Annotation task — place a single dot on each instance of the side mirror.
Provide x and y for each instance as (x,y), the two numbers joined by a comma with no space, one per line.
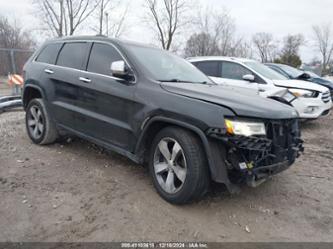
(249,77)
(118,69)
(306,76)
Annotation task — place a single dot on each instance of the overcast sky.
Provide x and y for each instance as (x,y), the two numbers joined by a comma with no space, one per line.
(279,17)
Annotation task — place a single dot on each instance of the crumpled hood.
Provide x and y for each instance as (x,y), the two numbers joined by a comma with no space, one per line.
(300,84)
(247,105)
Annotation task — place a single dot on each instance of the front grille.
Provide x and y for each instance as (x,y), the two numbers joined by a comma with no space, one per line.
(262,155)
(326,97)
(285,139)
(284,135)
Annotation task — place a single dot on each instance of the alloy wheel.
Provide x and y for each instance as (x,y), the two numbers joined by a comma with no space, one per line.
(170,165)
(35,122)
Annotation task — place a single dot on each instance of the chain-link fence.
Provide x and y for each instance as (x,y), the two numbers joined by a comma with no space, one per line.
(11,64)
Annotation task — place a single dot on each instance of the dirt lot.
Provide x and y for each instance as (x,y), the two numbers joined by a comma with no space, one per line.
(75,191)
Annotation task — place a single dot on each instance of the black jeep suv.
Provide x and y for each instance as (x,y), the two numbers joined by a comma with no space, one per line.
(156,108)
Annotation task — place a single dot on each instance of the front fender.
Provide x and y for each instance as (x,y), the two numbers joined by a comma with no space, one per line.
(213,150)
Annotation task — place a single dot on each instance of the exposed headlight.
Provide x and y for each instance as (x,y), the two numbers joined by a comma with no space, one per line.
(303,93)
(244,128)
(289,96)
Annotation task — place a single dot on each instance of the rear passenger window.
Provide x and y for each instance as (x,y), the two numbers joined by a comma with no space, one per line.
(49,53)
(210,68)
(73,55)
(101,57)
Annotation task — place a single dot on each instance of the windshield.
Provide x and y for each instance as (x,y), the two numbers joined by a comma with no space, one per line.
(166,67)
(291,71)
(265,71)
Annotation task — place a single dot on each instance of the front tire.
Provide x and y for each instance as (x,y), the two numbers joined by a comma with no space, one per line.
(178,166)
(40,127)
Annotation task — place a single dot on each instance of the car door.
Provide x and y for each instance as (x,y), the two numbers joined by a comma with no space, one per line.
(44,68)
(64,83)
(106,101)
(232,74)
(211,69)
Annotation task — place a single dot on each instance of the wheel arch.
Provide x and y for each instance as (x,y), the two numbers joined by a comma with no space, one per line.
(155,124)
(212,149)
(31,92)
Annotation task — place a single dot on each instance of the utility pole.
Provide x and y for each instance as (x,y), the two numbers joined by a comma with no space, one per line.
(12,58)
(101,18)
(107,23)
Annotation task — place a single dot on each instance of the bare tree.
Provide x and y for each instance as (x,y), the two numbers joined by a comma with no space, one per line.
(221,37)
(264,45)
(103,5)
(117,26)
(241,48)
(63,17)
(201,45)
(292,44)
(221,27)
(12,36)
(290,52)
(324,43)
(166,17)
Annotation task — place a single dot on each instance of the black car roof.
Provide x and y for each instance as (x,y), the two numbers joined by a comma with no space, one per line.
(97,38)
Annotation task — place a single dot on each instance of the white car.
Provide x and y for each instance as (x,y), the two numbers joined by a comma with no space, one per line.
(313,100)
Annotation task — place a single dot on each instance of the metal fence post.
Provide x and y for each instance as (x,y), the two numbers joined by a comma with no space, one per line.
(16,90)
(12,61)
(12,58)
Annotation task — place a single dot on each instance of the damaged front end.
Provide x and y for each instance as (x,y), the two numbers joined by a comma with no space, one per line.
(252,159)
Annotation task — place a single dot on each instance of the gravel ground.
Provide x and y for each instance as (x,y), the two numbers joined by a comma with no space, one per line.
(75,191)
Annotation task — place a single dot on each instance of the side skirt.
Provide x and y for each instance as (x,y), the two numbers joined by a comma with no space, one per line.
(103,144)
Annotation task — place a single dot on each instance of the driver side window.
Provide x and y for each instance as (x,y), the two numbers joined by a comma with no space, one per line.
(233,71)
(101,57)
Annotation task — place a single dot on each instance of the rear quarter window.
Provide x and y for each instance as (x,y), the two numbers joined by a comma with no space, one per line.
(49,53)
(73,55)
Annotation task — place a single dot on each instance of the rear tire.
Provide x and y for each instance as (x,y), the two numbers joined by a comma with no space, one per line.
(40,127)
(178,166)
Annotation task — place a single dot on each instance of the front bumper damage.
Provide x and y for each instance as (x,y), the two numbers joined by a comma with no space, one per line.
(253,159)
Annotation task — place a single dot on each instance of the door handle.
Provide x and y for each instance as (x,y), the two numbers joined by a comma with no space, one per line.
(85,80)
(49,71)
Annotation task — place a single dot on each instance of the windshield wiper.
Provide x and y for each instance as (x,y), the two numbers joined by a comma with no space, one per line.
(185,81)
(177,80)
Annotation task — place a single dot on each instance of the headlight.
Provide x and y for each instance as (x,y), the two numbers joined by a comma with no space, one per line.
(303,93)
(245,128)
(289,96)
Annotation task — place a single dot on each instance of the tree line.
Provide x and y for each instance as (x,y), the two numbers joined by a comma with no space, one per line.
(175,24)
